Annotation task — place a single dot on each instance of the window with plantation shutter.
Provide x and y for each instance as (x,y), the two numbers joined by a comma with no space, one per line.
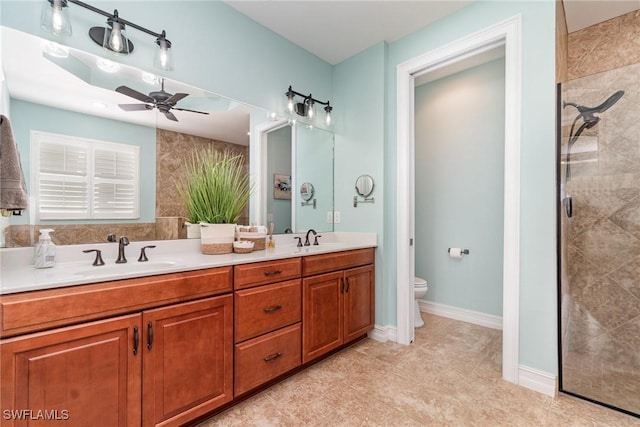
(78,178)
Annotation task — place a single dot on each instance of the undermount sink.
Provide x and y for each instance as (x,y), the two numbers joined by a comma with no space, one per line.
(129,267)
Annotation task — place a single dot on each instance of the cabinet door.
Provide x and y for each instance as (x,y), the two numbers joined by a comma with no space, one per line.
(188,360)
(87,375)
(322,319)
(358,302)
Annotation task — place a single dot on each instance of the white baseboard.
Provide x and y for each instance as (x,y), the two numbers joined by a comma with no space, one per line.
(384,333)
(470,316)
(535,380)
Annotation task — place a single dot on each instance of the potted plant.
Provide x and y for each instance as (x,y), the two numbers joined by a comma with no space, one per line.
(215,190)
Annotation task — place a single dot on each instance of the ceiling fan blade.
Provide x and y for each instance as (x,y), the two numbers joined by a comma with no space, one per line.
(176,97)
(191,111)
(135,107)
(135,94)
(169,115)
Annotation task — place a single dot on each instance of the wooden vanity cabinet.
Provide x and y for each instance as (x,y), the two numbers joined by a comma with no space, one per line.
(267,319)
(338,305)
(82,375)
(187,360)
(158,366)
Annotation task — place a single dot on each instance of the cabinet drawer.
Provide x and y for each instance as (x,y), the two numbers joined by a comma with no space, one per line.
(45,309)
(316,264)
(266,357)
(262,273)
(267,308)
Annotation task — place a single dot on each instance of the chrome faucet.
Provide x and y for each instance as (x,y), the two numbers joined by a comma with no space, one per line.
(306,239)
(121,244)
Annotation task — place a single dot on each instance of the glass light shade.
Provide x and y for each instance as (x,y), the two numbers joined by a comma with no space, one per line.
(327,118)
(290,104)
(54,17)
(310,110)
(164,56)
(115,38)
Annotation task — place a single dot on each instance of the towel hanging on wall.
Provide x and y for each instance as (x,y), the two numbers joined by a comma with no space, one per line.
(13,188)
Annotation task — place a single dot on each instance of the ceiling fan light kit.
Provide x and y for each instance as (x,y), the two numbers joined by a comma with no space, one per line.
(55,19)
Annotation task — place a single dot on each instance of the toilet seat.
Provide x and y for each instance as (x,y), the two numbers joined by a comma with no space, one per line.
(419,282)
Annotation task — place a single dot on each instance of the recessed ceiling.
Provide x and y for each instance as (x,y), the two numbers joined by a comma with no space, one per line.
(337,30)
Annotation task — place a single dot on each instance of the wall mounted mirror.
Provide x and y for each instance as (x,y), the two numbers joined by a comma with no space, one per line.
(65,91)
(306,191)
(364,186)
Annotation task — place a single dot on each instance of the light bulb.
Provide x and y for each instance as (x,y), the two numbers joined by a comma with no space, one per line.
(163,58)
(290,105)
(310,110)
(328,119)
(115,39)
(58,20)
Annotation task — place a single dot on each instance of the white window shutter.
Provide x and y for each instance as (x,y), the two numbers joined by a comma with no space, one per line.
(77,178)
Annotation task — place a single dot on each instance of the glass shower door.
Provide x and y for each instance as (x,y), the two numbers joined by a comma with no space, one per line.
(599,237)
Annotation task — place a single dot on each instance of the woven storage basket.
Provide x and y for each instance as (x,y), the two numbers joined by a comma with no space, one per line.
(243,247)
(259,243)
(258,237)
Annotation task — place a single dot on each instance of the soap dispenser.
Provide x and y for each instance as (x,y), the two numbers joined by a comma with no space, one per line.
(45,251)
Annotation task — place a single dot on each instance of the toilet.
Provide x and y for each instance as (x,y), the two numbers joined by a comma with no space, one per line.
(420,288)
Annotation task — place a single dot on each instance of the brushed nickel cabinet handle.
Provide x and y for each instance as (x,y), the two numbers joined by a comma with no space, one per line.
(274,356)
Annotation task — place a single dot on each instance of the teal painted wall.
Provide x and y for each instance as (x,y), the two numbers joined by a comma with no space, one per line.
(538,348)
(278,161)
(359,85)
(459,191)
(26,116)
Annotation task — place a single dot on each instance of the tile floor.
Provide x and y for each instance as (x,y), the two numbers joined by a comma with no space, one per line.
(449,376)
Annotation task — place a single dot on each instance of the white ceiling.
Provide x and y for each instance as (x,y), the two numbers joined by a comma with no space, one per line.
(336,30)
(583,13)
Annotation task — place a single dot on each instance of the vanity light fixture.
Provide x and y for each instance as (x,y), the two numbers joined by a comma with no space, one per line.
(306,107)
(55,19)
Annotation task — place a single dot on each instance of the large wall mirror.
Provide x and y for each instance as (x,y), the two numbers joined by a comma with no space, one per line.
(50,90)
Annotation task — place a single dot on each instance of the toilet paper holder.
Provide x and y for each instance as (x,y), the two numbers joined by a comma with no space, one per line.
(463,251)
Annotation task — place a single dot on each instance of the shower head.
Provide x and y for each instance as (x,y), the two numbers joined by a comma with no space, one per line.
(587,112)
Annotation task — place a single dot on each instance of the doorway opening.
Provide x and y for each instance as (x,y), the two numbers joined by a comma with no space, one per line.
(507,35)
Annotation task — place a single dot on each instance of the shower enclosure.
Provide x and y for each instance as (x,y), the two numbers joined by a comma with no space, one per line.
(599,237)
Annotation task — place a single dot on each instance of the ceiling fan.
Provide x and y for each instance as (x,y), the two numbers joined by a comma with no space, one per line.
(163,101)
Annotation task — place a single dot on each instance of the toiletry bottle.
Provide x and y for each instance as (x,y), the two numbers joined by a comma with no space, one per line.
(45,251)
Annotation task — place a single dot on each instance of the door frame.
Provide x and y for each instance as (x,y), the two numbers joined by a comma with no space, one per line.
(508,34)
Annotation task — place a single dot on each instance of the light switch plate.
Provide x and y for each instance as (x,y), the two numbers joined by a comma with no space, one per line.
(336,217)
(329,217)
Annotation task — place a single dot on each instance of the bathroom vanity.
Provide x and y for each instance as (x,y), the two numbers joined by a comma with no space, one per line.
(168,348)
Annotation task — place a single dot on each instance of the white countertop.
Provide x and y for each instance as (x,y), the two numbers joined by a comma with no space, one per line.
(73,267)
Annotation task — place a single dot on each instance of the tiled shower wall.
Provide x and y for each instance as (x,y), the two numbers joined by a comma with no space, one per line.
(601,241)
(172,150)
